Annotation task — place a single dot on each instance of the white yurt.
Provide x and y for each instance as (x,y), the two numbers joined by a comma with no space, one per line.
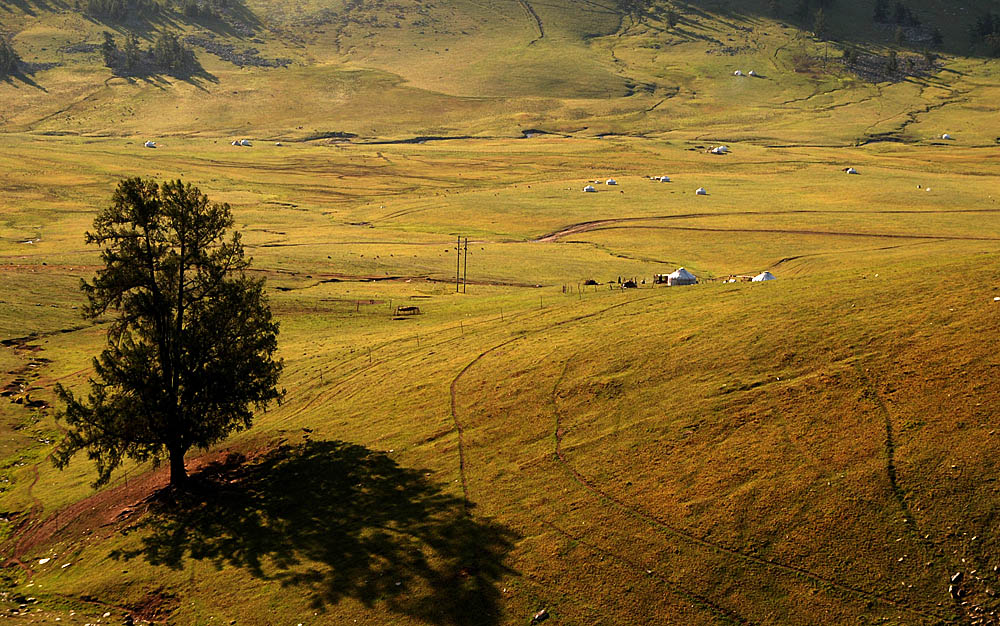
(150,144)
(245,142)
(236,142)
(720,150)
(751,73)
(681,277)
(589,188)
(946,136)
(759,278)
(738,73)
(851,170)
(700,191)
(664,179)
(612,181)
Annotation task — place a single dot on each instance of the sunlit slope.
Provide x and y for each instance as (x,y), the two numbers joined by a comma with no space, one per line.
(380,70)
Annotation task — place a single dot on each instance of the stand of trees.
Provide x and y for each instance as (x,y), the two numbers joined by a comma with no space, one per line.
(9,60)
(123,10)
(986,31)
(166,55)
(898,13)
(203,8)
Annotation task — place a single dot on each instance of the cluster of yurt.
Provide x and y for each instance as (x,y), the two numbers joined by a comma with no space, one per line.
(590,184)
(242,142)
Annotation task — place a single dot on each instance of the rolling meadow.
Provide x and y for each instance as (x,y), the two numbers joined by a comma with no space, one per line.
(819,449)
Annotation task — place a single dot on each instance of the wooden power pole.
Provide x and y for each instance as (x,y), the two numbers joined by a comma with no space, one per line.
(458,263)
(465,265)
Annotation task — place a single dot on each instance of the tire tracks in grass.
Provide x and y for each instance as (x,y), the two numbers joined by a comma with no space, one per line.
(725,615)
(453,387)
(817,580)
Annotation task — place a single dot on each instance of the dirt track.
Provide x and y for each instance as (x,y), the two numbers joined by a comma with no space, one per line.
(622,222)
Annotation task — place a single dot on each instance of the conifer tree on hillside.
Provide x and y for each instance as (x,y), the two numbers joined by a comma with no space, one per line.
(819,24)
(9,59)
(132,52)
(109,49)
(190,350)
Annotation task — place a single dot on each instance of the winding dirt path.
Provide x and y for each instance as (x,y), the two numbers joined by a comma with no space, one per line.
(624,222)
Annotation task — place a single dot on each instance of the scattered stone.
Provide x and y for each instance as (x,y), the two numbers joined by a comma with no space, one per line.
(240,58)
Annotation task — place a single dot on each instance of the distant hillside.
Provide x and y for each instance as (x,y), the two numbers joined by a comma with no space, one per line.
(378,69)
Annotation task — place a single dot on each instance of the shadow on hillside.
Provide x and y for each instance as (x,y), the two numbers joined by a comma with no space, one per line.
(336,520)
(843,25)
(235,19)
(32,7)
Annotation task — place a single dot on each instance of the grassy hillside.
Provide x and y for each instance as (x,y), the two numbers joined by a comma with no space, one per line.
(814,450)
(379,70)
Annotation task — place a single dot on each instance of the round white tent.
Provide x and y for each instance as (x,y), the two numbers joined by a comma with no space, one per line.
(759,278)
(612,181)
(701,191)
(589,188)
(681,277)
(664,179)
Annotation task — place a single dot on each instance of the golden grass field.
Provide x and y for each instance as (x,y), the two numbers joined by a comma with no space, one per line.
(815,450)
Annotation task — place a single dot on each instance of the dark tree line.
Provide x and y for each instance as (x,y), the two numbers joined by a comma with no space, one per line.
(166,55)
(202,8)
(123,10)
(986,31)
(9,60)
(898,13)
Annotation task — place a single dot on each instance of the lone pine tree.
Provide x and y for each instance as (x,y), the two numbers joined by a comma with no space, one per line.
(191,344)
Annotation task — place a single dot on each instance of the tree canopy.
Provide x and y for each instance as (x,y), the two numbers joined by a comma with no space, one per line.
(9,58)
(191,345)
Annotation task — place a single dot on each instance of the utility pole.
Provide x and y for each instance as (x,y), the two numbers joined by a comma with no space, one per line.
(465,266)
(458,262)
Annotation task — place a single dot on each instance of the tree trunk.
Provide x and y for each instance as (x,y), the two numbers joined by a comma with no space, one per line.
(178,473)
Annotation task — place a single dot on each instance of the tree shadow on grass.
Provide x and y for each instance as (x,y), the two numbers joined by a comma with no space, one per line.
(336,520)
